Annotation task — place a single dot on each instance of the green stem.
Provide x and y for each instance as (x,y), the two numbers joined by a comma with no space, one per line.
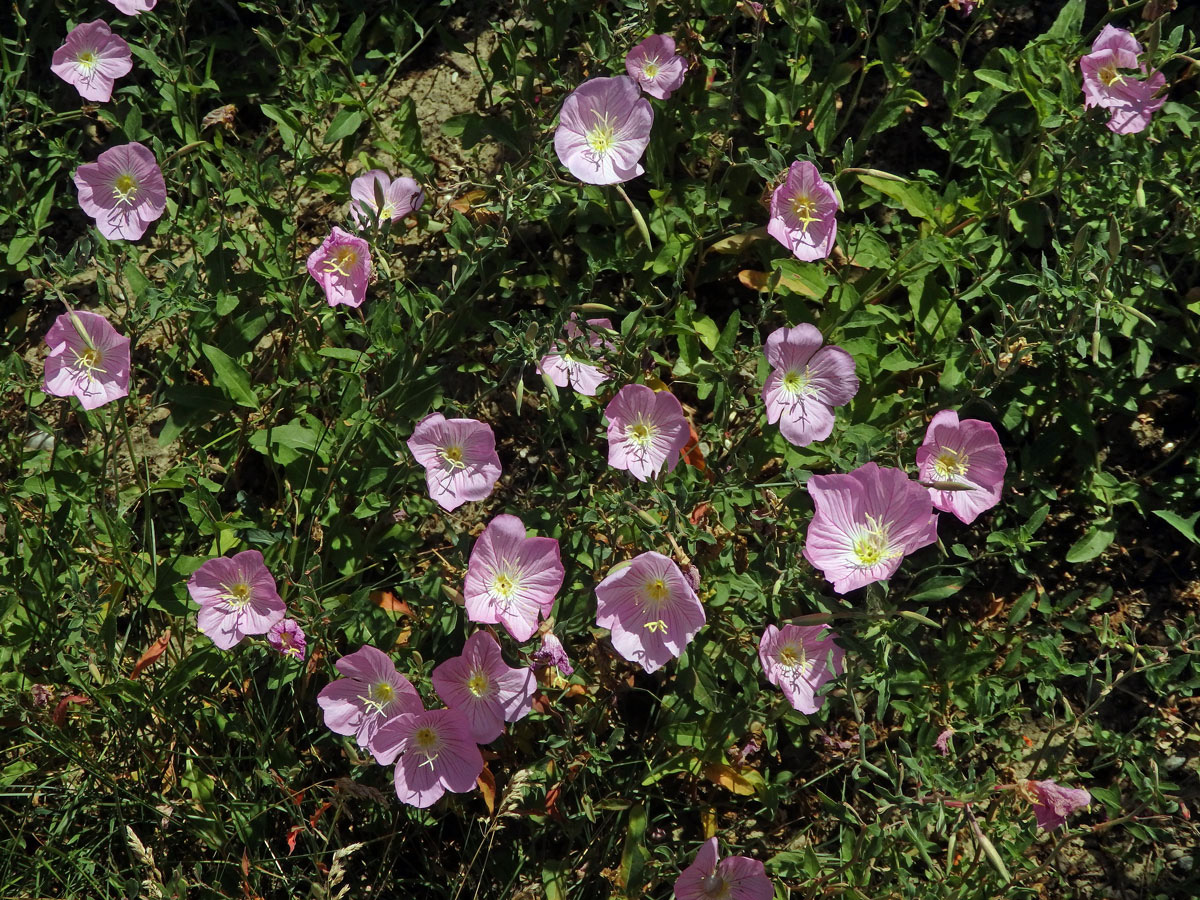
(637,217)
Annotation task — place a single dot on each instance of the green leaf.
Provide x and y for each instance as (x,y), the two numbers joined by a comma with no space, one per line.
(1186,527)
(230,377)
(707,329)
(633,856)
(1068,22)
(343,125)
(1092,544)
(917,199)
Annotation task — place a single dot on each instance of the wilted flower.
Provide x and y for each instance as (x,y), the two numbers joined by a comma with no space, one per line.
(133,7)
(437,754)
(459,456)
(962,464)
(943,742)
(806,382)
(650,608)
(287,637)
(1130,101)
(88,359)
(562,367)
(342,266)
(401,196)
(1052,803)
(804,213)
(237,597)
(799,659)
(484,688)
(966,7)
(552,653)
(90,59)
(866,523)
(123,190)
(603,130)
(371,694)
(512,579)
(655,67)
(731,878)
(645,430)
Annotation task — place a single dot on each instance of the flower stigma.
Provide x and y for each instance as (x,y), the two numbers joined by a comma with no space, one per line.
(872,545)
(478,684)
(796,382)
(641,432)
(804,208)
(87,60)
(602,137)
(125,188)
(950,463)
(238,594)
(341,260)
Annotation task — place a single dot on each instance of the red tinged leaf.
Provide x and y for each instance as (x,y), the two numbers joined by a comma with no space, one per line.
(487,787)
(291,838)
(699,512)
(389,602)
(691,453)
(60,711)
(153,652)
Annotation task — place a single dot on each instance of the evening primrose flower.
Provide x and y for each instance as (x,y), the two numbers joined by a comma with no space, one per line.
(89,359)
(962,464)
(436,754)
(287,637)
(459,456)
(731,878)
(371,694)
(133,7)
(807,380)
(123,190)
(401,196)
(552,653)
(603,130)
(1052,802)
(804,213)
(866,522)
(237,597)
(562,365)
(799,659)
(90,59)
(645,430)
(655,67)
(484,688)
(342,266)
(651,610)
(512,579)
(1131,101)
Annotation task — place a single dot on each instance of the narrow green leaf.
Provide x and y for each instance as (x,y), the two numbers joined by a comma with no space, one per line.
(230,377)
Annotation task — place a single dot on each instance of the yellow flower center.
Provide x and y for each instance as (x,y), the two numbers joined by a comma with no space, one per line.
(453,456)
(796,382)
(341,261)
(504,584)
(87,60)
(386,212)
(238,594)
(125,188)
(427,744)
(792,655)
(950,464)
(382,693)
(656,591)
(1109,75)
(716,887)
(641,432)
(650,69)
(872,545)
(804,208)
(90,361)
(478,684)
(601,137)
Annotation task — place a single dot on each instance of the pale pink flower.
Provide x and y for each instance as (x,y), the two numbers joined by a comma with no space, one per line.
(437,754)
(806,382)
(484,688)
(1131,101)
(645,430)
(563,365)
(943,742)
(804,213)
(552,653)
(401,196)
(90,59)
(731,878)
(123,190)
(88,359)
(287,637)
(651,610)
(799,659)
(603,130)
(133,7)
(237,597)
(371,694)
(962,464)
(655,67)
(1052,803)
(459,456)
(512,579)
(866,523)
(1139,103)
(342,267)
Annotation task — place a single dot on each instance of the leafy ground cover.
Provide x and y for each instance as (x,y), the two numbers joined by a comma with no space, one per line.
(1000,252)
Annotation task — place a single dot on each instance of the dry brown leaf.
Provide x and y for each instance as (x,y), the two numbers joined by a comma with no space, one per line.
(153,652)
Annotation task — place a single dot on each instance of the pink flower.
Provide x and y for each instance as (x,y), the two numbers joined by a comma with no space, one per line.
(371,694)
(563,367)
(645,430)
(552,653)
(237,597)
(88,359)
(1052,803)
(1130,101)
(650,608)
(966,7)
(731,878)
(804,213)
(133,7)
(486,690)
(437,754)
(401,196)
(459,456)
(123,190)
(512,579)
(865,524)
(342,267)
(603,130)
(287,637)
(90,59)
(806,382)
(962,464)
(797,659)
(655,67)
(943,742)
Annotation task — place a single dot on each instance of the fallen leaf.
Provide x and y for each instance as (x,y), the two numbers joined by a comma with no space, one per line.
(389,602)
(744,783)
(60,711)
(153,652)
(487,787)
